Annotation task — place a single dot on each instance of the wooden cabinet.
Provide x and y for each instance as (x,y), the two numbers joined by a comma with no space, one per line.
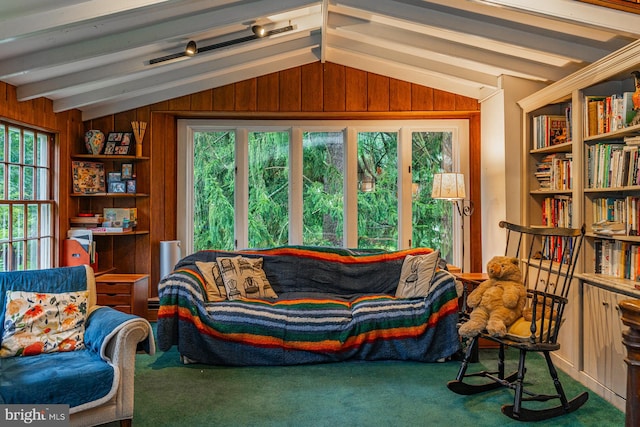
(125,292)
(604,354)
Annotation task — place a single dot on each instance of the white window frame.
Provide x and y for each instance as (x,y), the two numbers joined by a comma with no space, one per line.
(404,128)
(45,230)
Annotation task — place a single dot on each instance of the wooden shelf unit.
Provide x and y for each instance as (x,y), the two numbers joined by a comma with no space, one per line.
(590,340)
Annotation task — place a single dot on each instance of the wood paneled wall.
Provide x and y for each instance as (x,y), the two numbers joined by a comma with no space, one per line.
(313,91)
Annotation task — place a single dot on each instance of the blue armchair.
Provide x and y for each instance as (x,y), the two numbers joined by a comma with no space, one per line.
(97,382)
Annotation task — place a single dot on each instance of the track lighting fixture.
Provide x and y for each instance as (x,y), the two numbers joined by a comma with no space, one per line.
(259,30)
(191,49)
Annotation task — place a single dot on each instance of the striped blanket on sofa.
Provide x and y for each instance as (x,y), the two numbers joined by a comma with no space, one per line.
(332,305)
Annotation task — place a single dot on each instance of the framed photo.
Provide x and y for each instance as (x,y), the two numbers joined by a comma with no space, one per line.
(131,186)
(114,177)
(119,143)
(117,187)
(88,177)
(127,170)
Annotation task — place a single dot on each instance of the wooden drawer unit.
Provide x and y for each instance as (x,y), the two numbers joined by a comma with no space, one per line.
(125,292)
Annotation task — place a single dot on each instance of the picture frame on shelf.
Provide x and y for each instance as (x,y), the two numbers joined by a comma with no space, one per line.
(88,177)
(114,177)
(127,171)
(118,187)
(131,186)
(119,143)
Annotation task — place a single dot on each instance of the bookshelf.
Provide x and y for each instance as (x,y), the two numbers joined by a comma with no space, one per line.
(118,252)
(604,194)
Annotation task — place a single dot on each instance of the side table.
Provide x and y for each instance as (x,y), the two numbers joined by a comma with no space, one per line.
(125,292)
(470,281)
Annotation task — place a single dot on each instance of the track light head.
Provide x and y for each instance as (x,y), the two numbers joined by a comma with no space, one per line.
(259,30)
(191,48)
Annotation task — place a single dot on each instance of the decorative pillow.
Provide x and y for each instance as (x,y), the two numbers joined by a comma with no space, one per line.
(37,323)
(520,330)
(416,275)
(244,278)
(214,283)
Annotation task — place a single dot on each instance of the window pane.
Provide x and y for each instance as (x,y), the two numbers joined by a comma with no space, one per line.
(2,143)
(432,219)
(213,190)
(41,184)
(4,222)
(2,183)
(46,221)
(27,183)
(18,256)
(43,150)
(5,255)
(17,221)
(268,189)
(378,190)
(32,221)
(323,166)
(14,182)
(14,145)
(46,253)
(32,254)
(29,141)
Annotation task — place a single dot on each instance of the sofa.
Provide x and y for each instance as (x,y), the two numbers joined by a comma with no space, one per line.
(59,348)
(300,305)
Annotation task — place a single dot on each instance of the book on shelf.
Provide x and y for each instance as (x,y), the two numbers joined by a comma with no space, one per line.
(553,172)
(556,211)
(604,114)
(86,221)
(632,140)
(617,258)
(99,230)
(549,130)
(605,165)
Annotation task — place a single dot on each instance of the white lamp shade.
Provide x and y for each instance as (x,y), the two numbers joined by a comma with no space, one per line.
(448,186)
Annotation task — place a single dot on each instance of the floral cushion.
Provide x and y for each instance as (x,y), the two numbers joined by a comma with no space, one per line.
(37,323)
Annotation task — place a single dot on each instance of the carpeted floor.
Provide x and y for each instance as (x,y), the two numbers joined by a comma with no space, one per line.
(168,393)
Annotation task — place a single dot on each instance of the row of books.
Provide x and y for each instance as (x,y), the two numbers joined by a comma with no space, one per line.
(556,211)
(613,165)
(605,114)
(112,220)
(617,258)
(553,172)
(551,130)
(616,215)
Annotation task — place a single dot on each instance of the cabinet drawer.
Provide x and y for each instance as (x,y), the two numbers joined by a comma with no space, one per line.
(104,299)
(113,288)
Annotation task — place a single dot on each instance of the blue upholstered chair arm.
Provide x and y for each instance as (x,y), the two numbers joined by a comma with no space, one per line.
(104,323)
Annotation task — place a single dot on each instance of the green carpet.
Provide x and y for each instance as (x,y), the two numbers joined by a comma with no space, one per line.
(168,393)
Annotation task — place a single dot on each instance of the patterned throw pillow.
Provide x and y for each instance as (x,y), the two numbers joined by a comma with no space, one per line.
(244,278)
(37,323)
(416,275)
(214,283)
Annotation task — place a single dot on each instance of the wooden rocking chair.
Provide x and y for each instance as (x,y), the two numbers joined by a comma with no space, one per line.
(548,256)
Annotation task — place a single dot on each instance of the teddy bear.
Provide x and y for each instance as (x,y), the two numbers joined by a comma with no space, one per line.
(498,301)
(527,312)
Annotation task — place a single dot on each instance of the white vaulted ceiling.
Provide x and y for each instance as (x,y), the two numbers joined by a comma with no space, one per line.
(94,55)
